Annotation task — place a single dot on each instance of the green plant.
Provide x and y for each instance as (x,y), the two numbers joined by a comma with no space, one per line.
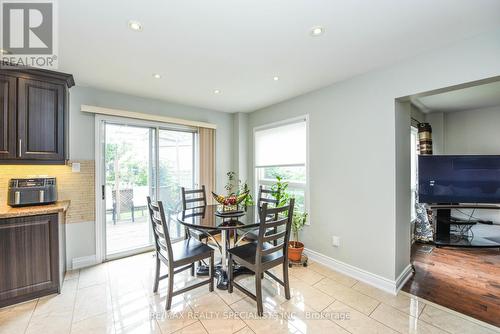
(282,195)
(236,187)
(280,191)
(298,222)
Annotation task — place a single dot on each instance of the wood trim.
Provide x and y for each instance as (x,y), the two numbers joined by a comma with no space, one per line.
(19,70)
(144,116)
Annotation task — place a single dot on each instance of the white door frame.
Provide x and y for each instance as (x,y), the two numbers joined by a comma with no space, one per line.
(100,214)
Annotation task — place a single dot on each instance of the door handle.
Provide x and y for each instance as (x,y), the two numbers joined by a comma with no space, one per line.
(103,192)
(20,148)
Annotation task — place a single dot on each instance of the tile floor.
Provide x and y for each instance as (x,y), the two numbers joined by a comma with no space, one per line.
(116,297)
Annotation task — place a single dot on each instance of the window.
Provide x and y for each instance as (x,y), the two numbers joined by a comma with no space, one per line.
(414,169)
(282,150)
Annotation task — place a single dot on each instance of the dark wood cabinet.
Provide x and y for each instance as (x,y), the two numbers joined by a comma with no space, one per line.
(8,117)
(40,115)
(34,115)
(29,264)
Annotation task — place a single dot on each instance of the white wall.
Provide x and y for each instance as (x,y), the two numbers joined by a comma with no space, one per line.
(80,237)
(353,156)
(472,131)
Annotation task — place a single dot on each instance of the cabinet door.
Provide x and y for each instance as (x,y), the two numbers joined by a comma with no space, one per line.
(8,136)
(30,260)
(41,120)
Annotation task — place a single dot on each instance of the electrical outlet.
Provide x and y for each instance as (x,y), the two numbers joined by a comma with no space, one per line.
(335,241)
(75,167)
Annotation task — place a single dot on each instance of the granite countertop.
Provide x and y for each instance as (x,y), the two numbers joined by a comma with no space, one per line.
(9,212)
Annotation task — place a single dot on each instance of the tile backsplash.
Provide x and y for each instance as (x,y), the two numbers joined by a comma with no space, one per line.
(78,187)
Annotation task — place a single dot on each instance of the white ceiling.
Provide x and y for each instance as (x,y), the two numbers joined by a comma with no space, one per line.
(238,46)
(470,98)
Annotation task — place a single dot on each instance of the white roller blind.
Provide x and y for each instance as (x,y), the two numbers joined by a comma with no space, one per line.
(282,145)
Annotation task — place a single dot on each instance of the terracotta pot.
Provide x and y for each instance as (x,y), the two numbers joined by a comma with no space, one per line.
(295,249)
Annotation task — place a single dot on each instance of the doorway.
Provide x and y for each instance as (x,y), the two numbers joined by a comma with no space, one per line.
(137,159)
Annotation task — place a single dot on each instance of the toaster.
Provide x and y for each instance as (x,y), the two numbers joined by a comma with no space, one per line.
(33,191)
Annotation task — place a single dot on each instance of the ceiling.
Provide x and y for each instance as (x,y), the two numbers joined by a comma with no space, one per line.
(237,47)
(470,98)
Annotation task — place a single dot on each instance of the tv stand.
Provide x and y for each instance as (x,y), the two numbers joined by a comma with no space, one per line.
(444,220)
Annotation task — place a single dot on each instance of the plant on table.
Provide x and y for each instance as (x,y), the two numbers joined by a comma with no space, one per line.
(237,191)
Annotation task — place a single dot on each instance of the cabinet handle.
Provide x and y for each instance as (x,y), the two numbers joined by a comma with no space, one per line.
(20,148)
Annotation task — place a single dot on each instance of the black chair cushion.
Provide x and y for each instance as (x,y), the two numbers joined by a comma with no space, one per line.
(186,250)
(247,253)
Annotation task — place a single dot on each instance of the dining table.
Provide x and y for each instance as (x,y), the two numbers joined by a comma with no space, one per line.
(223,230)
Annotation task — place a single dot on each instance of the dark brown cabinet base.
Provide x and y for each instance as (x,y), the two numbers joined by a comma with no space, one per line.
(29,261)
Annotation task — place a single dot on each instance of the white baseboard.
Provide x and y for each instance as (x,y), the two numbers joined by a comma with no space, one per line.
(404,277)
(364,276)
(84,261)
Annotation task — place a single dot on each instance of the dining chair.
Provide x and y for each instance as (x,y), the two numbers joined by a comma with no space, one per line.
(265,196)
(177,257)
(196,199)
(264,254)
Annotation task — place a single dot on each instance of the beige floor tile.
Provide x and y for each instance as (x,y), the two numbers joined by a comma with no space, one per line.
(303,293)
(334,275)
(117,297)
(92,301)
(354,321)
(56,303)
(403,322)
(402,302)
(246,330)
(230,298)
(305,274)
(179,316)
(215,315)
(15,319)
(52,322)
(274,320)
(195,328)
(451,322)
(351,297)
(72,274)
(146,327)
(94,275)
(100,324)
(307,320)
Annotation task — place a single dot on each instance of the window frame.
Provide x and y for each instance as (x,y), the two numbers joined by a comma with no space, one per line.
(306,185)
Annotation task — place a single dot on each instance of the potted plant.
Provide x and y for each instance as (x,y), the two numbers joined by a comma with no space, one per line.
(295,247)
(282,195)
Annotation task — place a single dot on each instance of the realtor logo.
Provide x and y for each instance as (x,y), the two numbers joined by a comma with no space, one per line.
(28,33)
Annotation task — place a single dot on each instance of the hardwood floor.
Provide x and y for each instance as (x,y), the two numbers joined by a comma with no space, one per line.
(465,280)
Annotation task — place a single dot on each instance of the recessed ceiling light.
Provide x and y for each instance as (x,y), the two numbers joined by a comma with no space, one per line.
(157,76)
(317,31)
(216,91)
(276,78)
(135,25)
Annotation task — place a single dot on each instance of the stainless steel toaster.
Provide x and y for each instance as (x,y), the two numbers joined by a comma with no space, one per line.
(33,191)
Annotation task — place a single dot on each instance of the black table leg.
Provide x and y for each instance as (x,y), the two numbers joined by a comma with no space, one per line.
(221,274)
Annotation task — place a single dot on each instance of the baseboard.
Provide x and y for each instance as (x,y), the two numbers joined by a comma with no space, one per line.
(84,261)
(404,277)
(364,276)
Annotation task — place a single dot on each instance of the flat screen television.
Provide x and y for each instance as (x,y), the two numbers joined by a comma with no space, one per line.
(459,179)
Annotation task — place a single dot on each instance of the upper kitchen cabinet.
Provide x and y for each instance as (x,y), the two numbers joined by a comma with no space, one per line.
(34,116)
(8,135)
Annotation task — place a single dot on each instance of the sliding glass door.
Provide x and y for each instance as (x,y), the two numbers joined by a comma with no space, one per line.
(176,169)
(141,160)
